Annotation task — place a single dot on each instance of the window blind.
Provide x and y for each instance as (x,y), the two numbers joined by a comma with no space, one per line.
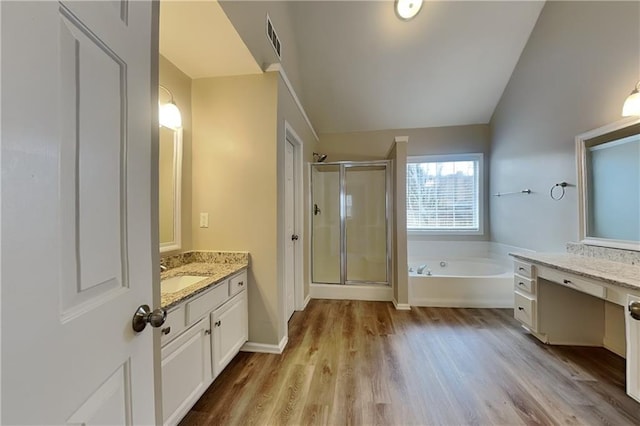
(443,195)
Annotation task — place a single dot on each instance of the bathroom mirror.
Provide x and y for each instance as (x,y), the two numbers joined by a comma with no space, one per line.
(609,185)
(169,186)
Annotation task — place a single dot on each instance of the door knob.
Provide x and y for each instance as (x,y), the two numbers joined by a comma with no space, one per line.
(634,310)
(145,315)
(294,237)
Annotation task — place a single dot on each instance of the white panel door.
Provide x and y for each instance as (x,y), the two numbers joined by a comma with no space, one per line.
(289,225)
(76,212)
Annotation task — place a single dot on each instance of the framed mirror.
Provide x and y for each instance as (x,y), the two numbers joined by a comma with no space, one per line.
(609,185)
(169,188)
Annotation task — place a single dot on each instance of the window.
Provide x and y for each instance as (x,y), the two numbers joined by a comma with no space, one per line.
(443,194)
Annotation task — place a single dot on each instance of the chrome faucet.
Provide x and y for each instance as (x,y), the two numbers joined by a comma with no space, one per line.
(421,269)
(162,268)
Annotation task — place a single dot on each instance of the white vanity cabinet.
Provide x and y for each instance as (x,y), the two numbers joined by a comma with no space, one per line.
(567,299)
(186,371)
(200,337)
(525,307)
(230,329)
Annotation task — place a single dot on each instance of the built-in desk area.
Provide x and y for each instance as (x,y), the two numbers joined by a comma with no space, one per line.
(568,299)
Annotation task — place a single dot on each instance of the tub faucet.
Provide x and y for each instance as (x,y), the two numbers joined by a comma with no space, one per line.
(421,269)
(163,268)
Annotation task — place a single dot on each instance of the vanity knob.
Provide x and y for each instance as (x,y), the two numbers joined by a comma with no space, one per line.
(166,330)
(520,308)
(207,332)
(217,324)
(634,310)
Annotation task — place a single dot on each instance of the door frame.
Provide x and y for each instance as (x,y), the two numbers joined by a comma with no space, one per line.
(298,216)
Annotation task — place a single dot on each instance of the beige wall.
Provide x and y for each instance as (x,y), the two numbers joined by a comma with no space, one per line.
(376,145)
(249,20)
(579,65)
(288,111)
(235,182)
(180,85)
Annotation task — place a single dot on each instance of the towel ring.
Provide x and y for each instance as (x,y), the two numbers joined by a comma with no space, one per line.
(562,186)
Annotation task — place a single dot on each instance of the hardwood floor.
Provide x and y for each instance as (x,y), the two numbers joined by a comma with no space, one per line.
(350,362)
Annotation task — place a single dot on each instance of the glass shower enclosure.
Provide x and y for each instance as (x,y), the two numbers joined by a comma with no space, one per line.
(350,222)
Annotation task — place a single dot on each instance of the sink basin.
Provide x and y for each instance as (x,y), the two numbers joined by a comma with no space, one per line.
(175,284)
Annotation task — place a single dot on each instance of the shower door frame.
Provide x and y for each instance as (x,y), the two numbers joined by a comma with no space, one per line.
(343,166)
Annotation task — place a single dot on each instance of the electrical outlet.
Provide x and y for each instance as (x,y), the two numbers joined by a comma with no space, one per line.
(204,220)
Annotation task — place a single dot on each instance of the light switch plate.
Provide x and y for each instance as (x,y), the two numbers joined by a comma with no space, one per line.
(204,220)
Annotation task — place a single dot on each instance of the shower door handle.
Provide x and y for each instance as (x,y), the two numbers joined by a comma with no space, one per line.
(294,237)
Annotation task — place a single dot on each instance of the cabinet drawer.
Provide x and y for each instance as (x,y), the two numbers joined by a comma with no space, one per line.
(524,269)
(173,325)
(206,303)
(524,284)
(575,282)
(238,283)
(524,310)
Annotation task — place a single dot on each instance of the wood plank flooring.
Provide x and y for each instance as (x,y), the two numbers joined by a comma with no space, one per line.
(364,363)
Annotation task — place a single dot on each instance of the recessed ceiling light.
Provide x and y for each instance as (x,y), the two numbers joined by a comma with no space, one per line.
(407,9)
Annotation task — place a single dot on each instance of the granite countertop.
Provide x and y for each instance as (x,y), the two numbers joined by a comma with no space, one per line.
(610,272)
(211,273)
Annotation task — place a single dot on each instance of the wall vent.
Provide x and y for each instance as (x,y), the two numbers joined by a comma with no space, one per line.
(273,38)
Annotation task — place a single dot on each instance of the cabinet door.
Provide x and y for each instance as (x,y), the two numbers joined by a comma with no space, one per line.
(632,327)
(230,330)
(186,371)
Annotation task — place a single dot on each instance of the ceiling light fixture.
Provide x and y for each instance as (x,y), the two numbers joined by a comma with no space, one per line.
(407,9)
(632,103)
(169,115)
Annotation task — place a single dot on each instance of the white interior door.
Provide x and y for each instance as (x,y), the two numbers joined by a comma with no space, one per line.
(289,224)
(76,228)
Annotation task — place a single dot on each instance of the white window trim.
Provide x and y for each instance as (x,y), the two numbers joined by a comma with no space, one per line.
(479,157)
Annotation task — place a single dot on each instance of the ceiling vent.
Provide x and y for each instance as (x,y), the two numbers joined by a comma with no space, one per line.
(273,38)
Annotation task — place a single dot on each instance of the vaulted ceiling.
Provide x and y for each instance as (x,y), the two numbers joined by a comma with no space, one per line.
(357,67)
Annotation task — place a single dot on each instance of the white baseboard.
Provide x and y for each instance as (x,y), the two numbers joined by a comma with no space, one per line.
(351,292)
(265,348)
(401,306)
(462,303)
(306,302)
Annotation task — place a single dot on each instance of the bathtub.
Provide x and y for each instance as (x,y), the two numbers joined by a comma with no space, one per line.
(474,282)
